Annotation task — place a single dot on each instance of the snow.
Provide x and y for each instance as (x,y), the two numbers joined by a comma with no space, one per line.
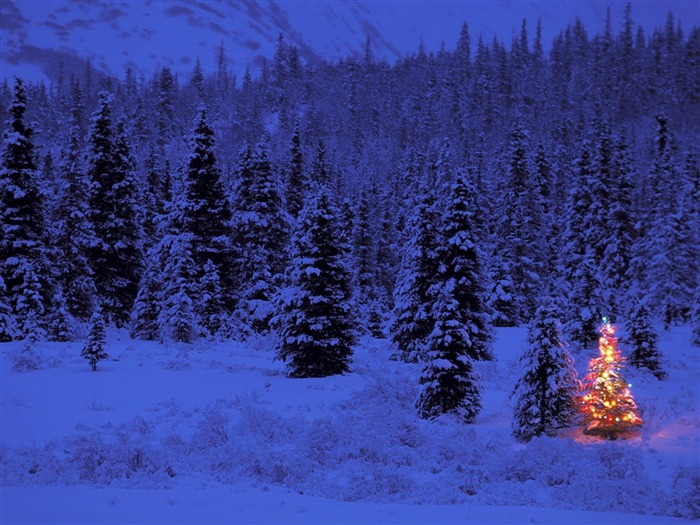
(214,432)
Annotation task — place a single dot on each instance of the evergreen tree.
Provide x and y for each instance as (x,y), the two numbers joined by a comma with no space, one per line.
(94,349)
(61,323)
(608,406)
(413,321)
(24,266)
(581,270)
(116,256)
(461,271)
(644,342)
(177,320)
(210,306)
(29,302)
(320,170)
(521,229)
(364,261)
(619,222)
(667,254)
(155,194)
(207,214)
(8,324)
(260,238)
(146,310)
(296,176)
(546,395)
(449,384)
(75,236)
(314,321)
(165,118)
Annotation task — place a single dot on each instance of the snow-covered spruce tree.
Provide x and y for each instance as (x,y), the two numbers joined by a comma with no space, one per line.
(177,320)
(418,269)
(29,302)
(24,266)
(314,323)
(580,262)
(460,259)
(165,112)
(546,395)
(619,226)
(155,194)
(260,237)
(449,384)
(94,349)
(75,235)
(207,213)
(320,170)
(144,315)
(520,230)
(297,183)
(369,300)
(116,256)
(644,341)
(363,246)
(209,305)
(61,324)
(8,324)
(667,253)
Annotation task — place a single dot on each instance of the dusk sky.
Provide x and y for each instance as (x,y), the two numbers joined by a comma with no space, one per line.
(36,36)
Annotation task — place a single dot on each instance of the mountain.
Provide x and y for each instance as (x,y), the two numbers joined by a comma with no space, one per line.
(41,38)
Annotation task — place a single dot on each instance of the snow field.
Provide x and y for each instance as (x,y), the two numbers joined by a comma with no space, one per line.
(217,433)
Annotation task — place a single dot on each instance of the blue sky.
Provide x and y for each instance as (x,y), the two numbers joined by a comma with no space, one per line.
(37,35)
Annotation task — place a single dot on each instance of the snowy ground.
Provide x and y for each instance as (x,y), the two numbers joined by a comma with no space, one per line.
(217,433)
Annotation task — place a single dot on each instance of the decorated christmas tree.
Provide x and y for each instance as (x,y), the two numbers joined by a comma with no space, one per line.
(608,407)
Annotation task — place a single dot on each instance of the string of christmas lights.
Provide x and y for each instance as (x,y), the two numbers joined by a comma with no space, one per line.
(607,404)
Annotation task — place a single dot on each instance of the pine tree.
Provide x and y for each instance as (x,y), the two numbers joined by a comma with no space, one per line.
(24,266)
(75,235)
(607,405)
(581,270)
(94,349)
(207,214)
(546,395)
(165,118)
(116,256)
(155,194)
(461,259)
(8,323)
(210,306)
(449,384)
(644,342)
(297,183)
(364,261)
(419,266)
(29,302)
(61,324)
(320,170)
(619,225)
(521,228)
(177,320)
(314,324)
(667,254)
(146,310)
(260,237)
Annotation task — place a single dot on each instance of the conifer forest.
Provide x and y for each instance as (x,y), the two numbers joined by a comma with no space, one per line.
(440,237)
